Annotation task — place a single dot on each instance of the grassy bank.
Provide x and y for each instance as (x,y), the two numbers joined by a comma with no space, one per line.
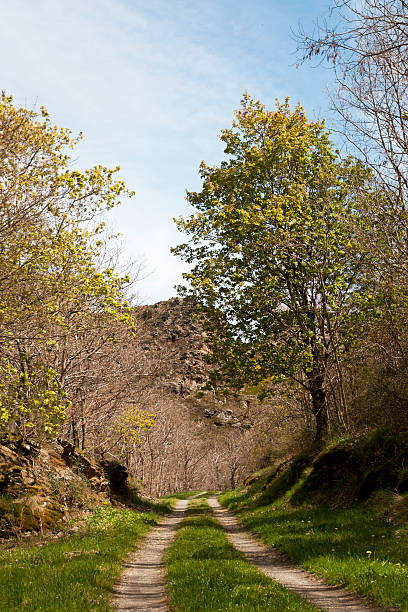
(206,574)
(74,572)
(364,547)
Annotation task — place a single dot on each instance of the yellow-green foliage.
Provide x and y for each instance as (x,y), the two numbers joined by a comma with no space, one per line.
(42,399)
(131,426)
(276,265)
(52,288)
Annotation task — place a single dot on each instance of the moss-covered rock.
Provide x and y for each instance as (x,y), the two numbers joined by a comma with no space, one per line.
(39,487)
(83,464)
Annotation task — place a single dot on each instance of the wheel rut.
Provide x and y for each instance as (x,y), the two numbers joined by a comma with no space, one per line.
(142,584)
(271,563)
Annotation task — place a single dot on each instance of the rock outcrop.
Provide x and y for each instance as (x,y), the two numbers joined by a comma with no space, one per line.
(41,486)
(174,330)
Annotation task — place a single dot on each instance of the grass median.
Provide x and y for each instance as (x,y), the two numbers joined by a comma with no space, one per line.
(205,573)
(363,548)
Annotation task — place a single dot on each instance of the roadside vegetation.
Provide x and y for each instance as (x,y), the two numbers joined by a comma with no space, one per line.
(76,572)
(206,573)
(363,547)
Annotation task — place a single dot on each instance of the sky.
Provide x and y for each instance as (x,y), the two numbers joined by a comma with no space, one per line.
(151,83)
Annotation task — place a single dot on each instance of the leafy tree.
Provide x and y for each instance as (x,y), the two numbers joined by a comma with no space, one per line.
(274,262)
(366,45)
(52,286)
(131,426)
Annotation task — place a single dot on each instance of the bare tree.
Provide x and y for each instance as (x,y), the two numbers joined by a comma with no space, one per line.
(366,43)
(368,49)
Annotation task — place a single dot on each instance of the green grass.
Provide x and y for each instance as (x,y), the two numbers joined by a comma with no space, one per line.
(198,506)
(180,495)
(362,547)
(75,572)
(205,573)
(163,506)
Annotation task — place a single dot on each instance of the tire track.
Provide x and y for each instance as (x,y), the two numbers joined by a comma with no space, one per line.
(142,585)
(270,562)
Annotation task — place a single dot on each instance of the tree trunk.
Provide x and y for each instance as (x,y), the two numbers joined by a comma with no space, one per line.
(83,433)
(319,407)
(75,439)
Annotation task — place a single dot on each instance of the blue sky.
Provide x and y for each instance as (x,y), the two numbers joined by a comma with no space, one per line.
(151,84)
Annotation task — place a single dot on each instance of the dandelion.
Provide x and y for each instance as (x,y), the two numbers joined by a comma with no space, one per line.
(398,564)
(369,552)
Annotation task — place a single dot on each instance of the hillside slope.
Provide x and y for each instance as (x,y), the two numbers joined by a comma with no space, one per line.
(342,514)
(344,473)
(41,487)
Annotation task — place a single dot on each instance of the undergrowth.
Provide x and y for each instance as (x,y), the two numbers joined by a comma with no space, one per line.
(363,548)
(180,495)
(162,506)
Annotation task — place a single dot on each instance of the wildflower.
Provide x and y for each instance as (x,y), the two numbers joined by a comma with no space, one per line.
(369,552)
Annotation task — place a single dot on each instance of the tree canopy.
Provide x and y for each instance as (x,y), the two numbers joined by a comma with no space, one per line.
(54,288)
(274,260)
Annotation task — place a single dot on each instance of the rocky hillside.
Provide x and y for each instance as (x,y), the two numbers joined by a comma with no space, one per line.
(172,328)
(42,487)
(180,335)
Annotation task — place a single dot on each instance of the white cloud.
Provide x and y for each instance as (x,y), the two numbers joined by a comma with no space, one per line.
(150,84)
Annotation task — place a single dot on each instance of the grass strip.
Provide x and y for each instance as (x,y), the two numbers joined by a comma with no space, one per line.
(75,572)
(205,573)
(359,547)
(180,495)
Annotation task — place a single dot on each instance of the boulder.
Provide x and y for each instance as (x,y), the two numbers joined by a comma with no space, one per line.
(117,475)
(81,463)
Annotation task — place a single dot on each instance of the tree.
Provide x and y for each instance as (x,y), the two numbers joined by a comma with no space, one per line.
(368,51)
(366,45)
(52,286)
(275,265)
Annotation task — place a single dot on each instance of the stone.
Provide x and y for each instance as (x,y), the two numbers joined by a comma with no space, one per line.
(117,475)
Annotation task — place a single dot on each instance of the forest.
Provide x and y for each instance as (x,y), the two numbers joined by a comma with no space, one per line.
(287,342)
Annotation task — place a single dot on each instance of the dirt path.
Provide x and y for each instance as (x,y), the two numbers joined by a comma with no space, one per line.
(270,562)
(142,584)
